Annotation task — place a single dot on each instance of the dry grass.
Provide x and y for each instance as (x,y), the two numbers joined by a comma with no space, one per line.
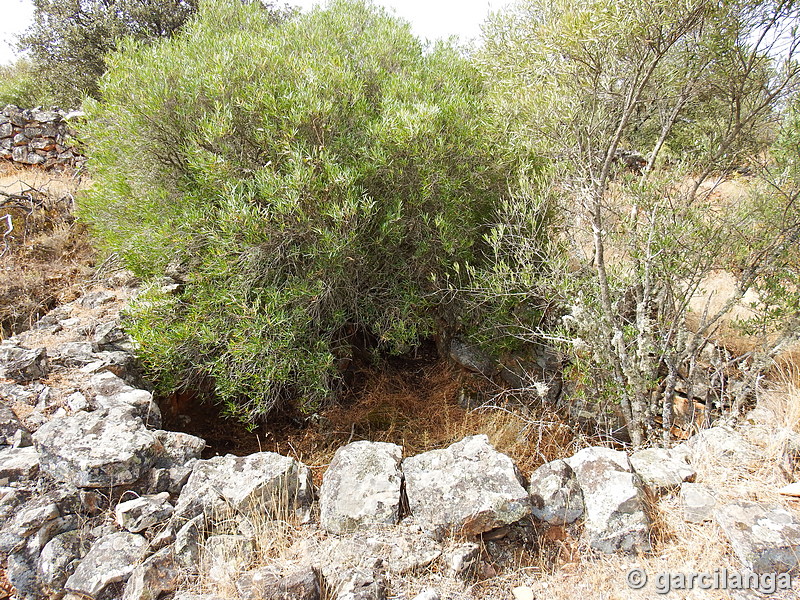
(46,256)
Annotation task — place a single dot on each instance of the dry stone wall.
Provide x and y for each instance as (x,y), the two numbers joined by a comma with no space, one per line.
(38,137)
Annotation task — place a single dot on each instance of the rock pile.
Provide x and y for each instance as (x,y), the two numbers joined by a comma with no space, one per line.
(37,137)
(97,501)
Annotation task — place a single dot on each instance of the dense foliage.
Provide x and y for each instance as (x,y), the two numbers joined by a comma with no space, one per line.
(316,181)
(18,85)
(70,39)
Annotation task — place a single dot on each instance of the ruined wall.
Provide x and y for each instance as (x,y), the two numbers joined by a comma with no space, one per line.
(38,137)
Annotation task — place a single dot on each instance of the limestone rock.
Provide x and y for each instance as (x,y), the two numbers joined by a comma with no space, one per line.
(698,503)
(301,583)
(188,542)
(556,497)
(361,486)
(616,517)
(158,574)
(10,426)
(403,549)
(765,538)
(22,364)
(108,564)
(112,392)
(661,469)
(264,481)
(721,442)
(59,559)
(225,556)
(467,488)
(140,513)
(18,464)
(99,449)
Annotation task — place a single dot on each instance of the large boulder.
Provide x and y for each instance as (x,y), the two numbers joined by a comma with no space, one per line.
(765,538)
(556,497)
(468,488)
(361,487)
(616,515)
(107,566)
(260,482)
(104,448)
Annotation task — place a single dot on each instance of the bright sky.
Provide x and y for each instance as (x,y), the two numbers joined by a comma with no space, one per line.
(430,19)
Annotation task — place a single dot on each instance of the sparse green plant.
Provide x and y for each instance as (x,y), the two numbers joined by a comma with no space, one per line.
(581,81)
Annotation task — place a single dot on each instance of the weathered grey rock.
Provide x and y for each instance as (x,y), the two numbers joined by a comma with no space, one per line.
(225,556)
(140,513)
(22,364)
(10,426)
(73,354)
(660,469)
(15,393)
(59,559)
(188,542)
(77,402)
(360,584)
(112,392)
(427,594)
(108,334)
(18,464)
(263,482)
(21,573)
(698,503)
(556,497)
(403,550)
(6,130)
(158,574)
(614,501)
(721,442)
(463,559)
(108,564)
(178,448)
(301,583)
(472,358)
(765,538)
(99,449)
(361,487)
(468,488)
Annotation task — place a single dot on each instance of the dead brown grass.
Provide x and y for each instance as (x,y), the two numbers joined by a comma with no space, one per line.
(47,255)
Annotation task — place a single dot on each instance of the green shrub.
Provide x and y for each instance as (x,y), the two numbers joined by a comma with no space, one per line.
(316,178)
(18,86)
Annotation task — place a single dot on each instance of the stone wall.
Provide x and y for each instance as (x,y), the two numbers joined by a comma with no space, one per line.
(38,137)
